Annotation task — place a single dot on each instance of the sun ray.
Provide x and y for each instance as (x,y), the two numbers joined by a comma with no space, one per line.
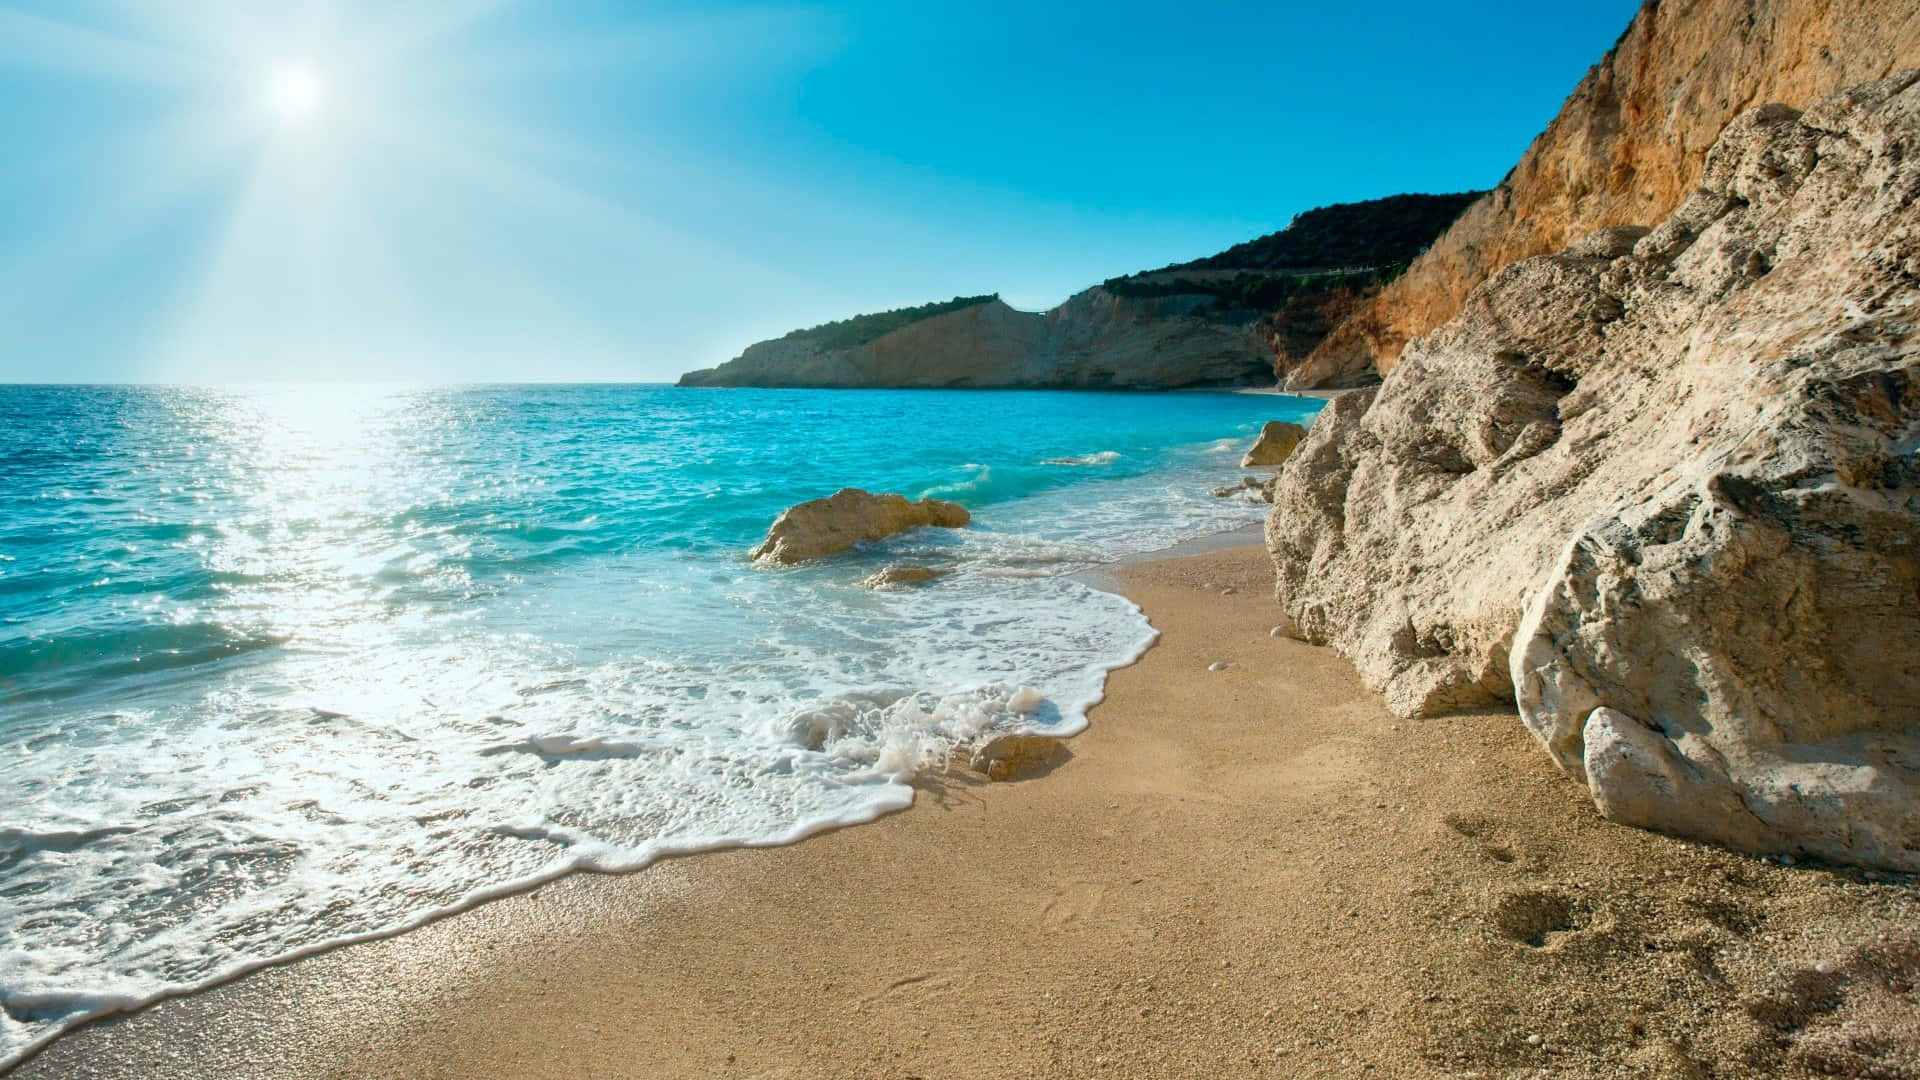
(37,43)
(373,178)
(187,154)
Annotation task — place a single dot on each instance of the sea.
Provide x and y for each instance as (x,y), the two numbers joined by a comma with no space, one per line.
(286,667)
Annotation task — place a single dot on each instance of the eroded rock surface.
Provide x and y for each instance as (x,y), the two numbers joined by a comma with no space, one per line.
(1663,490)
(822,527)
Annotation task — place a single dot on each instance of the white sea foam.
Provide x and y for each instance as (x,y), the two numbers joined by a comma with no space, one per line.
(419,809)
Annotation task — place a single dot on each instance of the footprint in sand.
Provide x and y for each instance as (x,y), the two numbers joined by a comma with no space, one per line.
(1488,835)
(1537,918)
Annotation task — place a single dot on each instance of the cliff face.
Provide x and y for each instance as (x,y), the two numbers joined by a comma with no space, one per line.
(1628,146)
(1295,331)
(1662,490)
(1094,341)
(968,347)
(1099,340)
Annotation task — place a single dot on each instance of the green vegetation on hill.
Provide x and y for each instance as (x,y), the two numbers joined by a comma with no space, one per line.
(1254,291)
(857,331)
(1371,234)
(1345,246)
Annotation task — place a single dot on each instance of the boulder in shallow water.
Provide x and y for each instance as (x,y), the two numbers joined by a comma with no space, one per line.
(823,527)
(901,574)
(1018,756)
(1249,488)
(1275,445)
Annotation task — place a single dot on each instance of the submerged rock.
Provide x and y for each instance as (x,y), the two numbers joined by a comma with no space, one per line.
(827,526)
(1662,490)
(899,574)
(1276,443)
(1017,756)
(1249,487)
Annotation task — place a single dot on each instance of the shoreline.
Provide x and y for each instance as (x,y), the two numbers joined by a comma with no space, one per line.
(1315,395)
(1255,871)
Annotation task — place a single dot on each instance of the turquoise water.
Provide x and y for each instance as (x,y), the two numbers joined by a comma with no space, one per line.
(284,668)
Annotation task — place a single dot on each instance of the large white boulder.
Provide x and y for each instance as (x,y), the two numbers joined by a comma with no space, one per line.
(1662,490)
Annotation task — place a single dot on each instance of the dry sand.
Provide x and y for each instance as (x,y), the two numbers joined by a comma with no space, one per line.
(1247,872)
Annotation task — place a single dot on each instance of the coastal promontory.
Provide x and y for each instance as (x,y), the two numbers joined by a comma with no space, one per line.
(1244,317)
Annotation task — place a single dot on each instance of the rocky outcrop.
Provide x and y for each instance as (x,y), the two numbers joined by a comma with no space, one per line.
(1095,341)
(1098,340)
(822,527)
(1295,332)
(969,347)
(1277,441)
(1627,147)
(1249,489)
(1662,490)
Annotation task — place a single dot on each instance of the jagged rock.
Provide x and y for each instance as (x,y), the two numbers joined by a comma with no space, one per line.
(1249,487)
(1017,756)
(1276,443)
(1628,145)
(1663,490)
(899,574)
(826,526)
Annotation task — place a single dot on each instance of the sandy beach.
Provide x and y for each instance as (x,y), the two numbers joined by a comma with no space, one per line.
(1254,871)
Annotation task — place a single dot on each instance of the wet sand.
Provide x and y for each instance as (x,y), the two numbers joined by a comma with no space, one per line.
(1253,871)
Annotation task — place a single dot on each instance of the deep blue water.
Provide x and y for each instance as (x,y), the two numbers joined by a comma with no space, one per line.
(280,668)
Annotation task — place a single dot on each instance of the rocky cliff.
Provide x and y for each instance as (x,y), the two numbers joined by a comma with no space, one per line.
(1628,146)
(1662,489)
(957,348)
(1094,341)
(1233,319)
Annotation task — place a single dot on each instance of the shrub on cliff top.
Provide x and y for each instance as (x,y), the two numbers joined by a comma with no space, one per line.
(857,331)
(1371,234)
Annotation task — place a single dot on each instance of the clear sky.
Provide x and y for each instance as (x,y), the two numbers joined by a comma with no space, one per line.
(489,190)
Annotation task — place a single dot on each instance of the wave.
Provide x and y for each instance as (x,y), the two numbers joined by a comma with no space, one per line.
(20,842)
(554,747)
(1101,457)
(899,735)
(995,483)
(101,653)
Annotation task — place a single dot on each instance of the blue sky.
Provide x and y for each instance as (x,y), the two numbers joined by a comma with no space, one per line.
(488,190)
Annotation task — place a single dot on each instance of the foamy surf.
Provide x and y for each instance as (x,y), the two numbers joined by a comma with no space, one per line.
(472,674)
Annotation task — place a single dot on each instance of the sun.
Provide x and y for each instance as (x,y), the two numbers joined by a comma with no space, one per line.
(295,92)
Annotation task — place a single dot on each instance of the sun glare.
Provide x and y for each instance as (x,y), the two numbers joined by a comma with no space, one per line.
(295,93)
